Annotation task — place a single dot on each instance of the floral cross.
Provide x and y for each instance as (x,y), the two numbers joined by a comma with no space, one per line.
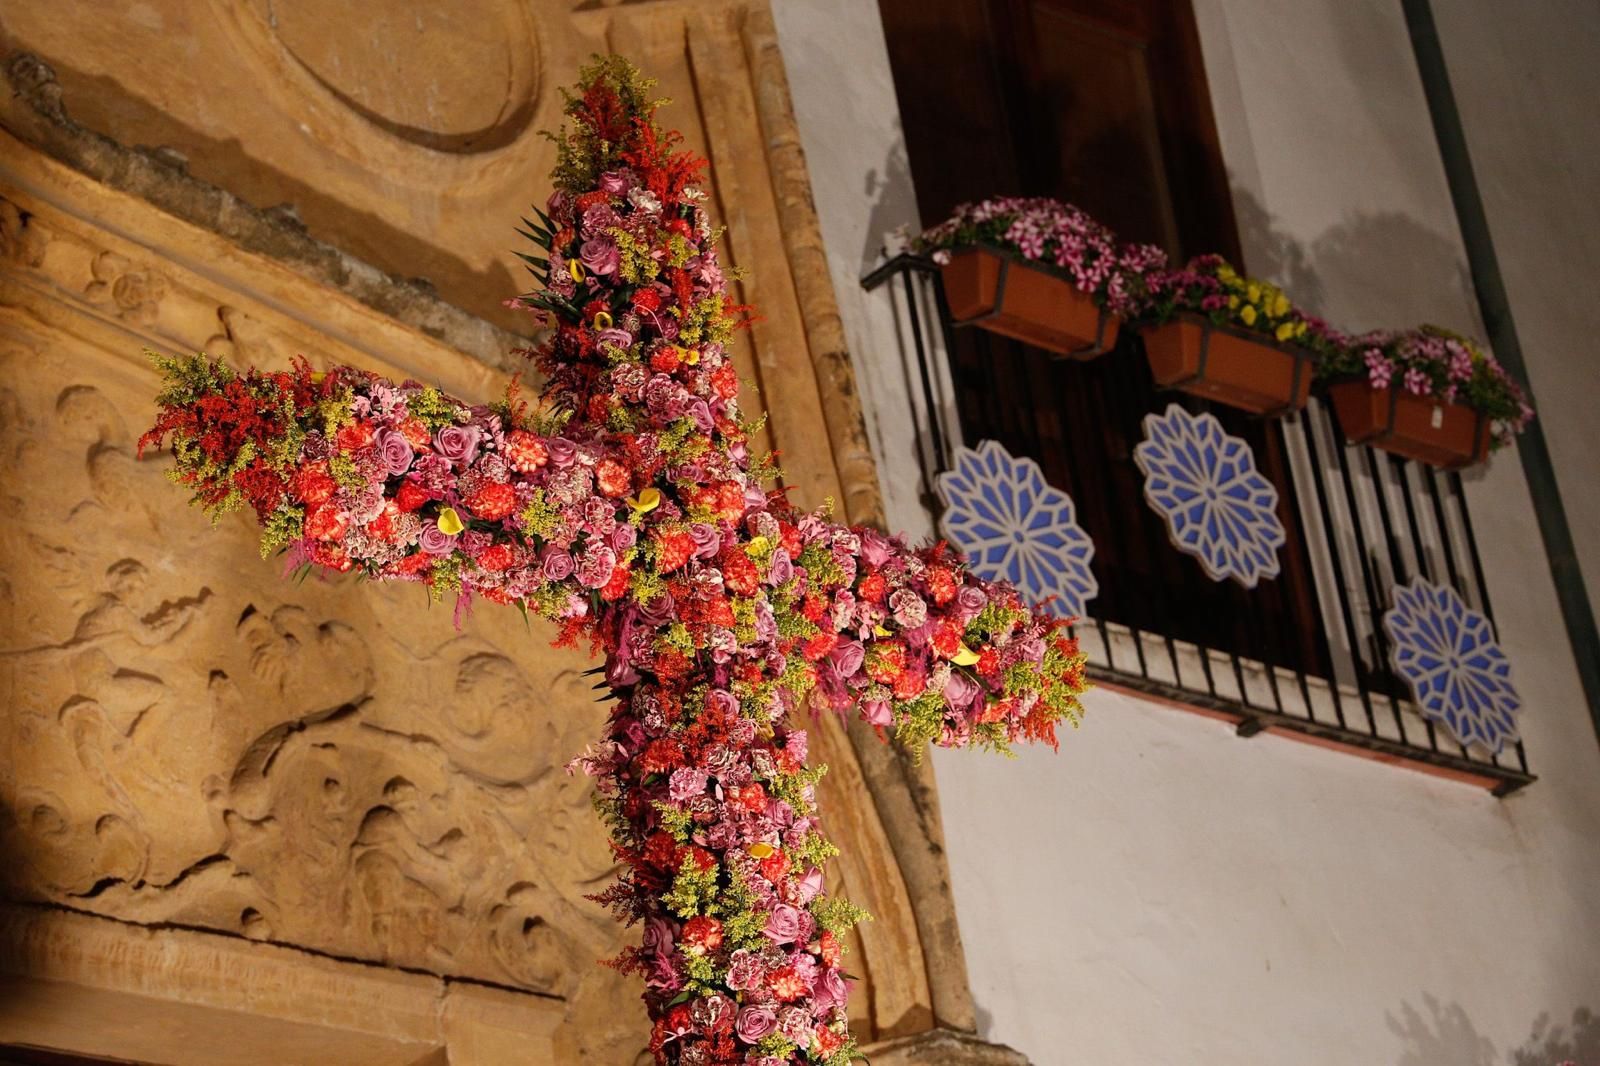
(627,507)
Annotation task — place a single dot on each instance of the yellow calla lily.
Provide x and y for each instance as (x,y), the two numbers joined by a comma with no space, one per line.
(646,501)
(575,269)
(761,850)
(602,320)
(317,376)
(882,632)
(450,522)
(964,656)
(691,356)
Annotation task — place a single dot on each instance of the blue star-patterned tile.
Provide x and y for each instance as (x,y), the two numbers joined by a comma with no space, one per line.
(1217,506)
(1014,526)
(1458,675)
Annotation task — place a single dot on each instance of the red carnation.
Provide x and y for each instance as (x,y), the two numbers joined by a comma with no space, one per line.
(786,984)
(525,451)
(673,549)
(873,588)
(665,359)
(617,586)
(775,866)
(354,436)
(941,585)
(313,484)
(910,684)
(827,1042)
(828,946)
(725,380)
(660,851)
(612,477)
(498,557)
(409,496)
(739,573)
(647,299)
(751,798)
(702,935)
(415,433)
(947,638)
(414,563)
(493,501)
(326,523)
(819,646)
(789,535)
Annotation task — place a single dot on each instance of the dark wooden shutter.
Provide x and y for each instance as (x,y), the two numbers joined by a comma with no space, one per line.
(1103,103)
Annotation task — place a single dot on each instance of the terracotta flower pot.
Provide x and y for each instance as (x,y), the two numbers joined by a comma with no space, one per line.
(1232,366)
(1446,435)
(1015,299)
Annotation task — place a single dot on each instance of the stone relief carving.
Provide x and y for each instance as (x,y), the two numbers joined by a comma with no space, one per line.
(198,743)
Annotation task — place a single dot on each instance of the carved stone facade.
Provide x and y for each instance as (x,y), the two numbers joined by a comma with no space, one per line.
(220,790)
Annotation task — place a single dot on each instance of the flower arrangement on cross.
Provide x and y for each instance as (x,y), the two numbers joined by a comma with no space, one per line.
(626,506)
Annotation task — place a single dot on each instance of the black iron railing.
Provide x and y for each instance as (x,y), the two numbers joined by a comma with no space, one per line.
(1367,521)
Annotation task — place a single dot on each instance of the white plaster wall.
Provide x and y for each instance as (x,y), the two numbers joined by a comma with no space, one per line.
(1160,890)
(850,127)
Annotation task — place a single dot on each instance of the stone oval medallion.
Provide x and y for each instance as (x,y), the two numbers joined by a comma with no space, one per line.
(460,77)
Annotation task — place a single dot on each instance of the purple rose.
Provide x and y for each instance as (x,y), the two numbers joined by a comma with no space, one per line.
(960,691)
(561,451)
(707,540)
(756,1023)
(723,702)
(781,570)
(556,563)
(700,414)
(600,256)
(783,924)
(395,451)
(658,937)
(847,656)
(436,541)
(971,599)
(809,885)
(617,338)
(623,537)
(876,712)
(459,444)
(831,990)
(614,183)
(875,548)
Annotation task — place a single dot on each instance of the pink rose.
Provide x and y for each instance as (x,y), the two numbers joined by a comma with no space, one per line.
(556,563)
(756,1022)
(459,444)
(395,451)
(600,256)
(783,924)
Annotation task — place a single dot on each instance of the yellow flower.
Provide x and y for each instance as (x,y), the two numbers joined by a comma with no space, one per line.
(760,849)
(964,656)
(1280,306)
(602,320)
(690,355)
(1247,315)
(646,501)
(317,376)
(575,269)
(450,522)
(1233,302)
(882,632)
(1284,331)
(1252,292)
